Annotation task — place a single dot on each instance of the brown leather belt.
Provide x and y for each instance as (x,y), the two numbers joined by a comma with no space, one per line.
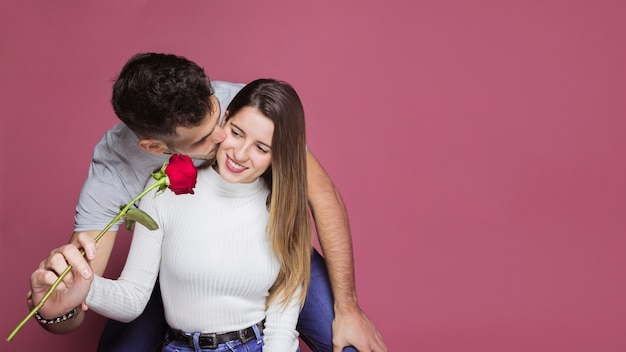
(212,340)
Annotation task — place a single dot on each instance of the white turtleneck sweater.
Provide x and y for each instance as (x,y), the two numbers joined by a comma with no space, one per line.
(214,262)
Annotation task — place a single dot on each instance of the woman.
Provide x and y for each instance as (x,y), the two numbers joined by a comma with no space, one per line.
(233,258)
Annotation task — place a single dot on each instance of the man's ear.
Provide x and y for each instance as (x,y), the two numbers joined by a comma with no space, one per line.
(153,146)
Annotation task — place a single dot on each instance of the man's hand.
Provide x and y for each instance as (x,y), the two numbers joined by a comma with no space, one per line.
(354,328)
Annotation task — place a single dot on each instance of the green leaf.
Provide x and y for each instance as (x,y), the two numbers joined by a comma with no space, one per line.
(157,175)
(141,217)
(128,224)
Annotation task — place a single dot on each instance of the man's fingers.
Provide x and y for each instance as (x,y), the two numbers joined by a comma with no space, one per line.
(380,346)
(74,257)
(61,258)
(378,342)
(88,244)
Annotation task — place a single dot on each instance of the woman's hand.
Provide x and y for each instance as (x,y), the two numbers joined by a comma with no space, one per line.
(73,290)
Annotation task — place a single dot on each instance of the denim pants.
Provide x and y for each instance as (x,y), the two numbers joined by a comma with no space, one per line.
(147,332)
(254,345)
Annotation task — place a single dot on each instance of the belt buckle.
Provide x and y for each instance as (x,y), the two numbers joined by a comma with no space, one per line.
(244,335)
(208,340)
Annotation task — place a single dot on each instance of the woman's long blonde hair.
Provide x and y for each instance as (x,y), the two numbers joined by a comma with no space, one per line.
(289,225)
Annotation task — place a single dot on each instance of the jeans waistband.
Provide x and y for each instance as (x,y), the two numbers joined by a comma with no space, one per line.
(212,340)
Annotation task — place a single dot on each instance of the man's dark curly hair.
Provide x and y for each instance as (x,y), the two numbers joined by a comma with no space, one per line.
(156,93)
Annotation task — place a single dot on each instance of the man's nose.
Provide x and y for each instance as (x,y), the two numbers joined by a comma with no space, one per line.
(219,134)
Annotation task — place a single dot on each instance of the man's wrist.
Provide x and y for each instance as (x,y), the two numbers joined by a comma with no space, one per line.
(346,305)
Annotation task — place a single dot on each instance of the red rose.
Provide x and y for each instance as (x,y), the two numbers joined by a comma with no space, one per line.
(181,173)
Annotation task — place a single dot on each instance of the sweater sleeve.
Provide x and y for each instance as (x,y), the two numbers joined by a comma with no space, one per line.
(125,299)
(280,325)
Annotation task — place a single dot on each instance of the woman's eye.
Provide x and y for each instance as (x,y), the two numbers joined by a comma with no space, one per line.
(263,149)
(236,133)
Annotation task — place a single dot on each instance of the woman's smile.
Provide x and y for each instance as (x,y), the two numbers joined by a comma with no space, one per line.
(233,166)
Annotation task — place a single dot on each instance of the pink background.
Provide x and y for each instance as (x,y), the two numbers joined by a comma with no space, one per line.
(479,146)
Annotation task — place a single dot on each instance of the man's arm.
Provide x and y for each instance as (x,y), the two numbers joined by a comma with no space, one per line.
(351,326)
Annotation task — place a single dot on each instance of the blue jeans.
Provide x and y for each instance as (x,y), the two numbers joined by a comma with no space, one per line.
(147,332)
(254,345)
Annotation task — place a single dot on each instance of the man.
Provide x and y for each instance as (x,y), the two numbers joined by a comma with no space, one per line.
(167,105)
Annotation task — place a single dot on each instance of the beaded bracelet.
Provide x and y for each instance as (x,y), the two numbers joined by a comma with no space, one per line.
(62,318)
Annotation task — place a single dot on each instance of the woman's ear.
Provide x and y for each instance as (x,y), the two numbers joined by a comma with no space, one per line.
(153,146)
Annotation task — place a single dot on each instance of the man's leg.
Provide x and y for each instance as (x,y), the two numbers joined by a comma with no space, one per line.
(316,317)
(146,333)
